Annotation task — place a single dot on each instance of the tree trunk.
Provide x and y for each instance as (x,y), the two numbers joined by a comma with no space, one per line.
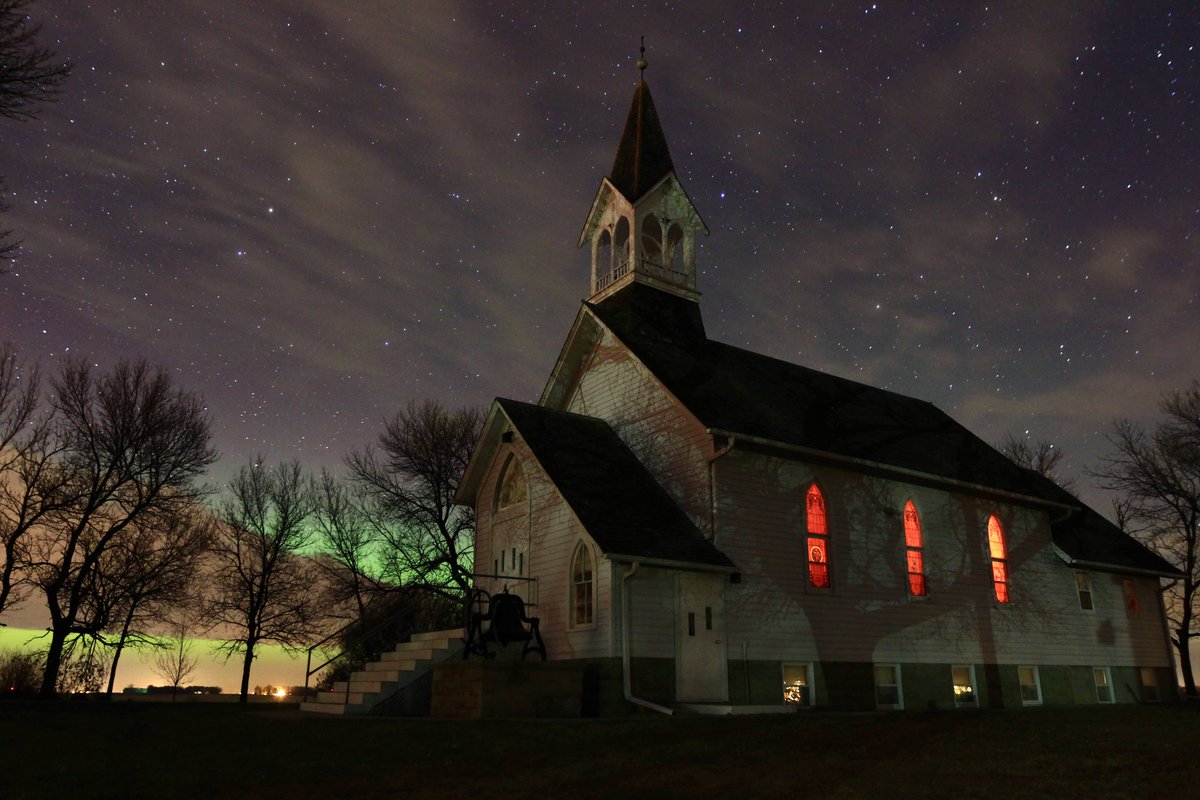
(246,673)
(1185,663)
(112,671)
(58,639)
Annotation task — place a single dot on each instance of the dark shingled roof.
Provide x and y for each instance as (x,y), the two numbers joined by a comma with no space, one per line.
(1088,537)
(618,502)
(731,389)
(642,157)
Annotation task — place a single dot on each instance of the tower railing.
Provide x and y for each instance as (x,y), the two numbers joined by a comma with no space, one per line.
(645,265)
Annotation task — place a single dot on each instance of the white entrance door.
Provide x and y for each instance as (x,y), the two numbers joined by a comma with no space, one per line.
(700,668)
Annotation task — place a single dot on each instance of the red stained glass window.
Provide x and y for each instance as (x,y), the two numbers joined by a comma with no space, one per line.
(914,550)
(815,503)
(999,556)
(818,538)
(818,565)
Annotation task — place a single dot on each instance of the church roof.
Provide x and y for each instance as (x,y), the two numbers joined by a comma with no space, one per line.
(642,157)
(616,499)
(737,391)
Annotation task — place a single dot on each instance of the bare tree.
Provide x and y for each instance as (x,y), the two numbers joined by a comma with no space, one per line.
(174,662)
(24,455)
(349,538)
(1159,474)
(153,575)
(1041,456)
(264,589)
(128,449)
(29,75)
(410,480)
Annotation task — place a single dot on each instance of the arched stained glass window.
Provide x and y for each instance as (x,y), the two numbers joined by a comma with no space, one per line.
(999,555)
(818,538)
(914,550)
(582,586)
(513,489)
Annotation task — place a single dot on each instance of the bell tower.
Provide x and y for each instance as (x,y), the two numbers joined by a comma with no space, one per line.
(642,226)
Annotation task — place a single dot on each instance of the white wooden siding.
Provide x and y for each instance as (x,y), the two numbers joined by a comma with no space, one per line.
(868,614)
(552,532)
(666,438)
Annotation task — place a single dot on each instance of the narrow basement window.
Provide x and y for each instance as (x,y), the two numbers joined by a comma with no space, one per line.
(1104,689)
(963,676)
(1031,686)
(888,693)
(797,685)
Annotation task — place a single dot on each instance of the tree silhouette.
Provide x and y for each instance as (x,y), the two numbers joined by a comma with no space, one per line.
(410,480)
(122,452)
(1159,473)
(264,589)
(175,663)
(29,76)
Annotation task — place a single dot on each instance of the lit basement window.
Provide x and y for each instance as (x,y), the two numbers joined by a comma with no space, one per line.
(797,684)
(963,676)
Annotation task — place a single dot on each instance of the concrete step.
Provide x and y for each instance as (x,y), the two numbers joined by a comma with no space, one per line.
(331,698)
(394,665)
(366,687)
(379,680)
(407,653)
(392,675)
(435,635)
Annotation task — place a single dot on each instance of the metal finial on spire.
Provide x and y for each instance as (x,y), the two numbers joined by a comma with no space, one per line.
(641,62)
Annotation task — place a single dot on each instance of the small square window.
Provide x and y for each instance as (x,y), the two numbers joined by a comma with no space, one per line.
(888,693)
(963,676)
(1031,686)
(1104,690)
(1150,685)
(1083,584)
(797,684)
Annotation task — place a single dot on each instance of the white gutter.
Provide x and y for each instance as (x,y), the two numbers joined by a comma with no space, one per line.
(669,563)
(626,637)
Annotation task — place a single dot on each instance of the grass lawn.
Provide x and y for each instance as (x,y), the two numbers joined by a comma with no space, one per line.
(147,750)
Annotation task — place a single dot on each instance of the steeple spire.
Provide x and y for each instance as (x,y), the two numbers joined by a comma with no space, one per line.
(643,158)
(642,226)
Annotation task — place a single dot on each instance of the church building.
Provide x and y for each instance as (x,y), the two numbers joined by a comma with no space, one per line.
(701,526)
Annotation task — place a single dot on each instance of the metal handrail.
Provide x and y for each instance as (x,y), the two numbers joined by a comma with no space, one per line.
(310,670)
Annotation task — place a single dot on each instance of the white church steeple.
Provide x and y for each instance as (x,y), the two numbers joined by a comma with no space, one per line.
(642,226)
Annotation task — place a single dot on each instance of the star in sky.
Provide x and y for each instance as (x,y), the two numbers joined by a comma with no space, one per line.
(312,213)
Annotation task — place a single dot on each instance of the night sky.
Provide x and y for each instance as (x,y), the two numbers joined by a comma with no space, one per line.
(314,212)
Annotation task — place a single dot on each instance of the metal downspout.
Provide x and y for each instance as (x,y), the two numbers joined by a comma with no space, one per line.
(712,487)
(626,637)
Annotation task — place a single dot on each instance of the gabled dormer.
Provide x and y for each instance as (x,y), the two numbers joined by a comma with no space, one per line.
(642,227)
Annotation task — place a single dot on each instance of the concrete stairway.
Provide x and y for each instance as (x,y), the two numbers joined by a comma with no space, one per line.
(397,683)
